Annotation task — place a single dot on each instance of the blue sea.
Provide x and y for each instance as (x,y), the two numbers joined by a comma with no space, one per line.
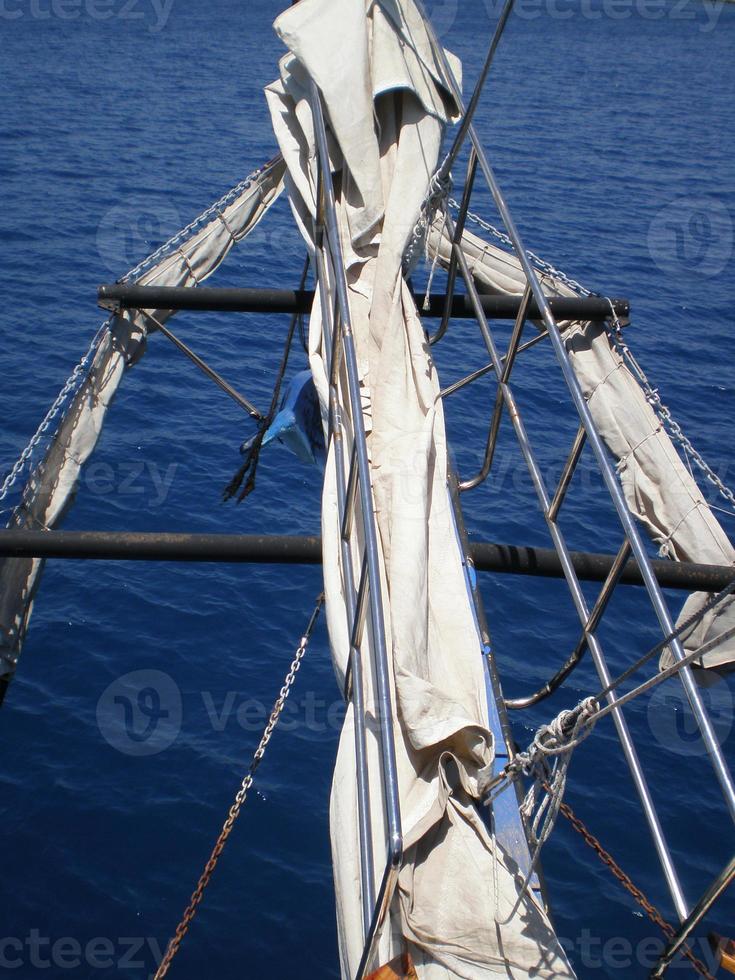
(610,124)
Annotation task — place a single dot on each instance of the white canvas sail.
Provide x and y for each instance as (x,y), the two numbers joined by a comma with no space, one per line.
(659,489)
(52,483)
(387,106)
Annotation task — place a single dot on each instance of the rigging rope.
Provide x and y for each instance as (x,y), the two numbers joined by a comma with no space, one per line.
(558,739)
(213,375)
(540,806)
(684,627)
(240,797)
(246,473)
(557,736)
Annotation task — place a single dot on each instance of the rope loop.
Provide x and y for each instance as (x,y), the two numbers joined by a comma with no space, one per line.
(570,727)
(558,737)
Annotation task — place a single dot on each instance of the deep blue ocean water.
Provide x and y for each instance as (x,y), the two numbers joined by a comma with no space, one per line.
(611,130)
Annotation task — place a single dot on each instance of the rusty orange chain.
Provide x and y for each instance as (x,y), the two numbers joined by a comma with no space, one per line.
(240,797)
(651,911)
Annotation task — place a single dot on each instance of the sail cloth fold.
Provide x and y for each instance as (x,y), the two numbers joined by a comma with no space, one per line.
(659,489)
(50,487)
(387,105)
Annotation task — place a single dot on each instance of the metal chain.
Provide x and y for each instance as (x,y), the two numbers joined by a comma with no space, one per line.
(74,380)
(615,334)
(240,797)
(71,386)
(663,412)
(541,264)
(648,907)
(185,232)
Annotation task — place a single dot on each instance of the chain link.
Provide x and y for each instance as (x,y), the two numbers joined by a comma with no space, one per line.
(70,388)
(663,412)
(648,907)
(240,797)
(174,242)
(74,381)
(615,334)
(541,264)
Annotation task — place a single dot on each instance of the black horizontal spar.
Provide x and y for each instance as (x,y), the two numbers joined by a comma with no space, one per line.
(299,550)
(121,296)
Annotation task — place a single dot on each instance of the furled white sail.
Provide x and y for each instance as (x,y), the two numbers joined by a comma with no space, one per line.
(387,106)
(658,487)
(51,485)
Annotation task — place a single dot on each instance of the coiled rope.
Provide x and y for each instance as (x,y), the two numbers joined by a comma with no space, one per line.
(546,760)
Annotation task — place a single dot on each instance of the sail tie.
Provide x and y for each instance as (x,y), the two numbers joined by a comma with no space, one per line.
(228,229)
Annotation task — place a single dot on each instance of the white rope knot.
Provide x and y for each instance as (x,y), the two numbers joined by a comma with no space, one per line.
(440,187)
(567,730)
(437,196)
(559,737)
(546,761)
